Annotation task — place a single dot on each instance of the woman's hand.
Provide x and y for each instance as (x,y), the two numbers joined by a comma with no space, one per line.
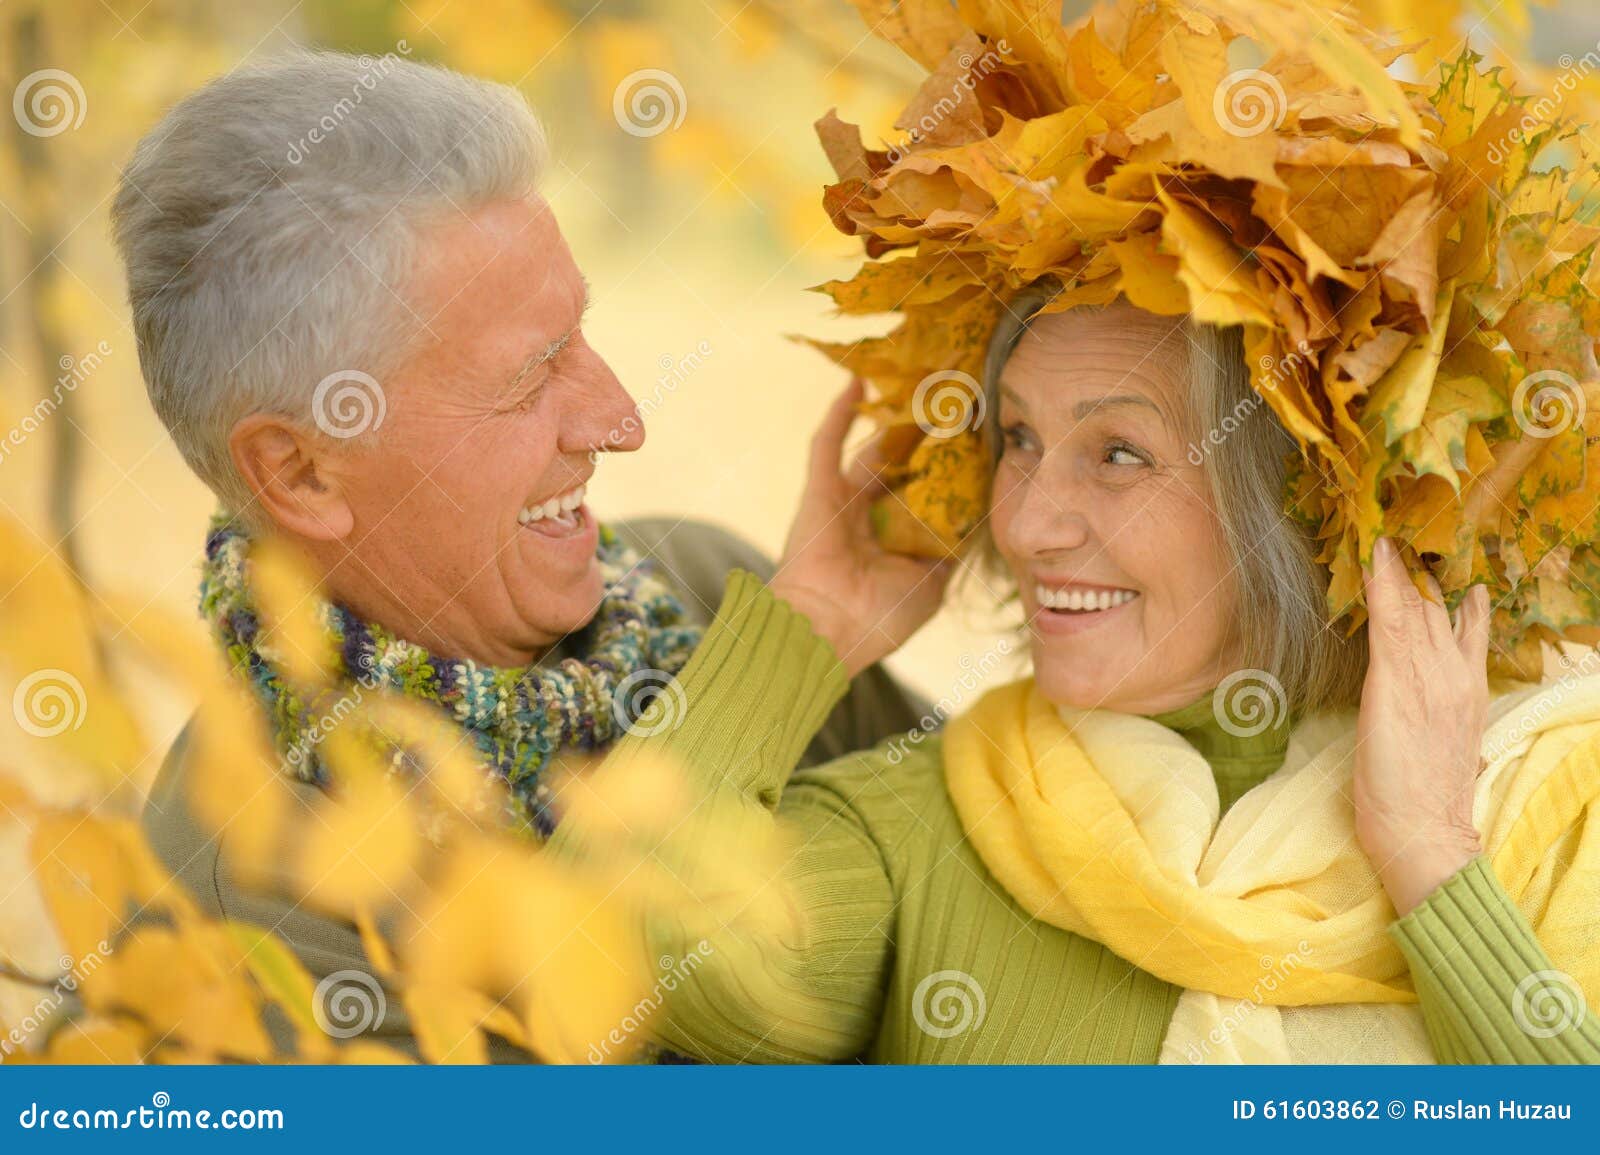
(863,599)
(1420,733)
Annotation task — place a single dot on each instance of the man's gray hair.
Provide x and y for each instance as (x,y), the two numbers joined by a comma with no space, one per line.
(267,224)
(1283,625)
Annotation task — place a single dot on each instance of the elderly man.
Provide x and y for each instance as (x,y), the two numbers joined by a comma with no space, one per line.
(371,345)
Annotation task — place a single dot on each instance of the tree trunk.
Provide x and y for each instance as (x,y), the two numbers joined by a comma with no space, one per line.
(40,175)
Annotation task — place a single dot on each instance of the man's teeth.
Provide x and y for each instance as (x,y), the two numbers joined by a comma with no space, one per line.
(555,507)
(1080,599)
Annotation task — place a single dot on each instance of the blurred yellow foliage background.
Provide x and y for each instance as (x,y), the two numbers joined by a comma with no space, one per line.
(699,239)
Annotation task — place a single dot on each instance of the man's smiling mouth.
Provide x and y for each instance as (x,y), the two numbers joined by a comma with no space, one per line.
(557,516)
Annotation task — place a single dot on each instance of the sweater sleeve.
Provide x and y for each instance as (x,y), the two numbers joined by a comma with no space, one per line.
(1489,992)
(798,978)
(698,558)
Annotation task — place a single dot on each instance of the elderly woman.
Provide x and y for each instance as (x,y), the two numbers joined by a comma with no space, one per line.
(1114,861)
(1256,801)
(368,341)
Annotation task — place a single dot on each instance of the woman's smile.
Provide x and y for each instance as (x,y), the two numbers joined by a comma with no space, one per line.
(1072,607)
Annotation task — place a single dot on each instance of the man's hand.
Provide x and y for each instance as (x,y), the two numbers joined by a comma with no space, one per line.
(863,599)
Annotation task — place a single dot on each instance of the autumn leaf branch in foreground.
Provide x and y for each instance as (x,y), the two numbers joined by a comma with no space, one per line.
(475,931)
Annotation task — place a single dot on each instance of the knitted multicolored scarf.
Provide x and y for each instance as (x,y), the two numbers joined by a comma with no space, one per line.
(518,717)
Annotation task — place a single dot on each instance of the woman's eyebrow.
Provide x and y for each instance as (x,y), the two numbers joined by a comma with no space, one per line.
(1084,409)
(1114,400)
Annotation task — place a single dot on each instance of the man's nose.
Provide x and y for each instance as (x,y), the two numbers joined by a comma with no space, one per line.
(602,415)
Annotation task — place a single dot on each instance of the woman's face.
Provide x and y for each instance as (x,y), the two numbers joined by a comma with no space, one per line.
(1104,521)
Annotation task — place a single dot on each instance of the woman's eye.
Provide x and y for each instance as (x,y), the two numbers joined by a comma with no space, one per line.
(1122,455)
(1015,437)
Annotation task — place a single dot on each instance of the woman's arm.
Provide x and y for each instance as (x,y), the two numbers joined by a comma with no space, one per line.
(699,557)
(1489,992)
(796,971)
(807,987)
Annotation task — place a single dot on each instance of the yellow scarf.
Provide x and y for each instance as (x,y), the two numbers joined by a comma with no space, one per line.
(1106,825)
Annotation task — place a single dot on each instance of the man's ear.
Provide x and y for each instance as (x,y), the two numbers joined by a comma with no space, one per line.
(288,473)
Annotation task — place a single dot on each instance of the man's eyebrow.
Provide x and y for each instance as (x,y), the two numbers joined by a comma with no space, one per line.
(554,348)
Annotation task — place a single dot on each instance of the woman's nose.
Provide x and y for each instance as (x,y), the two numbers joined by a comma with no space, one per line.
(1049,519)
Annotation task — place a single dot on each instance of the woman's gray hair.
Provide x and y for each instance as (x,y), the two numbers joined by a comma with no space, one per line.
(1283,625)
(267,225)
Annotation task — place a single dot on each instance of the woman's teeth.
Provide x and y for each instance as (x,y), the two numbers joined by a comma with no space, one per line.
(558,506)
(1082,600)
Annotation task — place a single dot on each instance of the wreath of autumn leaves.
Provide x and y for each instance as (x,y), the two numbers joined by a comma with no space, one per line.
(1413,274)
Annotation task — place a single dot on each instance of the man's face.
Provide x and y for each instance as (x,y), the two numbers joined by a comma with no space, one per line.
(470,533)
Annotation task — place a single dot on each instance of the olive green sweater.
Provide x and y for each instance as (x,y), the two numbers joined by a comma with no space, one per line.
(910,951)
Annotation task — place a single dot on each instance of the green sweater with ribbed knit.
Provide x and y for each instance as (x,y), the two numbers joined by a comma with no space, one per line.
(911,951)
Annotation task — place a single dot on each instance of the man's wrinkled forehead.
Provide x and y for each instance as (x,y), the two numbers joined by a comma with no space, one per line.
(493,290)
(502,252)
